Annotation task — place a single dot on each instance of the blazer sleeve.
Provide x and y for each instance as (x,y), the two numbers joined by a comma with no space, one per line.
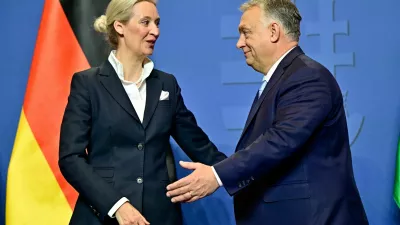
(190,137)
(74,139)
(304,103)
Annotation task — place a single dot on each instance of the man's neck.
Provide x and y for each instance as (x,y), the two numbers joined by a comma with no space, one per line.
(280,51)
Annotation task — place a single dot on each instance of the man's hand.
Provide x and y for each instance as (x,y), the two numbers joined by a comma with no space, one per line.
(128,215)
(200,183)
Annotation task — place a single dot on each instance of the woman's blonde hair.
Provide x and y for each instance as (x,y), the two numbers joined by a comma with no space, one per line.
(117,10)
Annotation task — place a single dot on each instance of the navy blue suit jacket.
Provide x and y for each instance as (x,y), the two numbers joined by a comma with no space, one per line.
(126,157)
(292,164)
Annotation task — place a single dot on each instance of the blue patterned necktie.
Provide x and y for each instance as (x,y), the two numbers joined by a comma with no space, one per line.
(258,94)
(264,83)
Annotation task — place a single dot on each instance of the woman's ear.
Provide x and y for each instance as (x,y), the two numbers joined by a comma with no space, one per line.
(119,28)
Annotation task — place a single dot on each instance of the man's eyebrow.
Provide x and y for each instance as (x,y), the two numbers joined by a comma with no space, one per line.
(242,27)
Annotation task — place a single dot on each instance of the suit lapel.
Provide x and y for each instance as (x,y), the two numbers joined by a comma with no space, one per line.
(109,79)
(280,70)
(153,92)
(253,106)
(256,105)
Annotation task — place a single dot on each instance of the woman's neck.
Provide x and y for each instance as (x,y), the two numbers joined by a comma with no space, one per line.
(132,64)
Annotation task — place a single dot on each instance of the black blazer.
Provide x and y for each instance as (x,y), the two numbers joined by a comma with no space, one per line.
(106,153)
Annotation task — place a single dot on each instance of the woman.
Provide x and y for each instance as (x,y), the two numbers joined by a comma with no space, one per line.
(114,143)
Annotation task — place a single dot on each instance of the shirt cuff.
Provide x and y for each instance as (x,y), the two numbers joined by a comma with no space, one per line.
(114,209)
(217,177)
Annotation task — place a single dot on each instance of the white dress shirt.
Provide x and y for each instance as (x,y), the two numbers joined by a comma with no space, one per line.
(267,77)
(136,92)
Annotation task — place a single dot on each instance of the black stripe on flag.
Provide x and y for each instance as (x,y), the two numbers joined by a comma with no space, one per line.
(81,15)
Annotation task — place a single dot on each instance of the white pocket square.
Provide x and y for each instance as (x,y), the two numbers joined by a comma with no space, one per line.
(164,95)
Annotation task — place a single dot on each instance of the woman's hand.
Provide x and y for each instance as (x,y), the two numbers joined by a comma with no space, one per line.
(128,215)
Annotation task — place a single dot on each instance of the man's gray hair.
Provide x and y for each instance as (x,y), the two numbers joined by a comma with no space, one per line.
(284,11)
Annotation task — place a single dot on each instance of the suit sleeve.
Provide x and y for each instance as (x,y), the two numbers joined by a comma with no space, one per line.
(74,139)
(190,137)
(304,103)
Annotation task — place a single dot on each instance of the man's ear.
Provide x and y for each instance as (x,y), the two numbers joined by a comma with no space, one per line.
(275,30)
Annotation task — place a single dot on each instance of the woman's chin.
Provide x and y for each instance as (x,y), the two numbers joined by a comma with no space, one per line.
(148,51)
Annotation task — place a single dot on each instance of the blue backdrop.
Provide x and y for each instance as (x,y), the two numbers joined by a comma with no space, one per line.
(197,45)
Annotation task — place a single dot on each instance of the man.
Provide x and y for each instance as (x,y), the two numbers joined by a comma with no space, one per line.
(292,164)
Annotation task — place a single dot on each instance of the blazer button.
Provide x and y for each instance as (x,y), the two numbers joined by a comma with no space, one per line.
(139,180)
(140,146)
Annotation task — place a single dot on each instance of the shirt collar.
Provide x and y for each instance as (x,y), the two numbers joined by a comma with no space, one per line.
(118,67)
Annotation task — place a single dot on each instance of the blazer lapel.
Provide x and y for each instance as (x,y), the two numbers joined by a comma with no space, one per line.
(286,61)
(153,92)
(109,79)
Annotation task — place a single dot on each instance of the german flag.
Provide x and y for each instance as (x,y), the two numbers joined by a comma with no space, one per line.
(37,193)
